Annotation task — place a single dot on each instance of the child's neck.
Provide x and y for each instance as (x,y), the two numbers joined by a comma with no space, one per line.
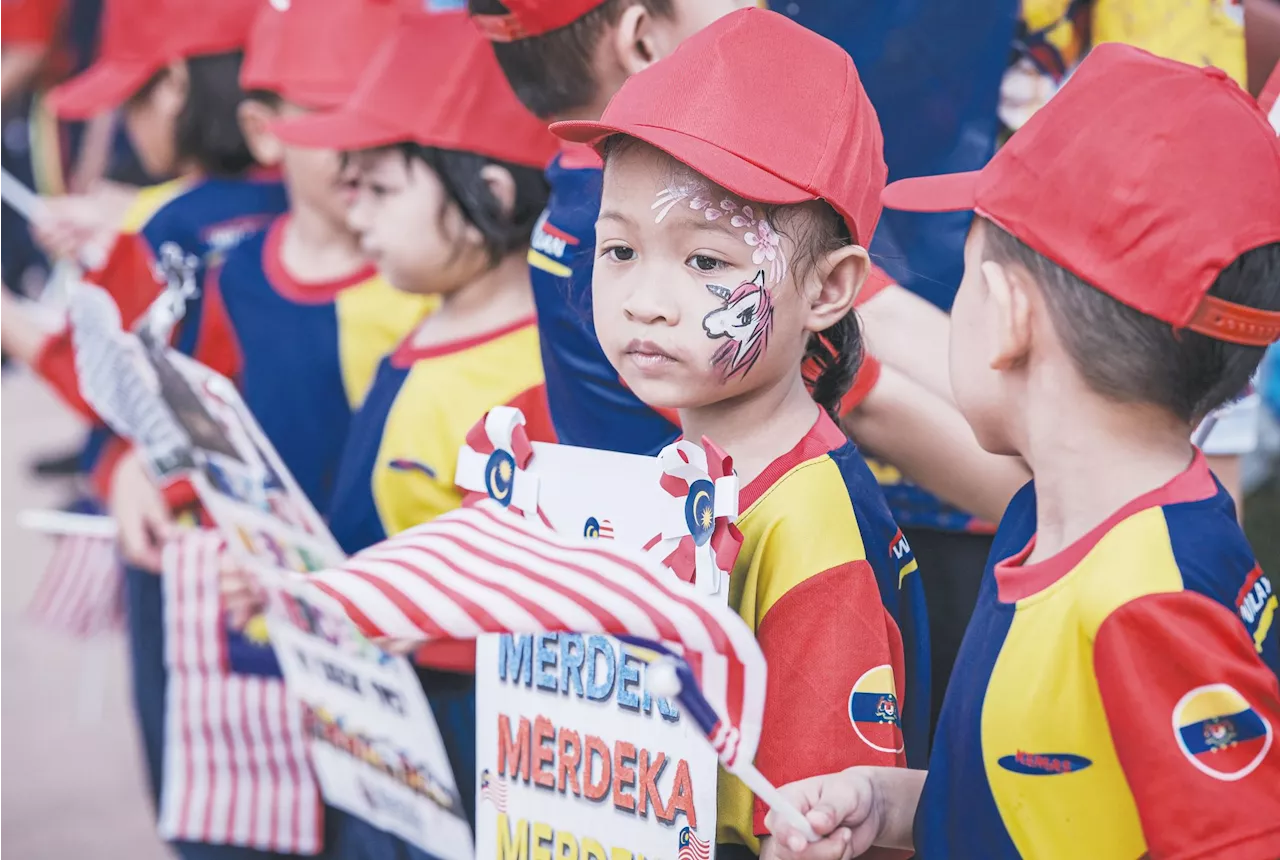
(1093,458)
(315,249)
(493,300)
(757,428)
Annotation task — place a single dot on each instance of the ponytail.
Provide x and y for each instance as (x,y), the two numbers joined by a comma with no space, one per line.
(831,361)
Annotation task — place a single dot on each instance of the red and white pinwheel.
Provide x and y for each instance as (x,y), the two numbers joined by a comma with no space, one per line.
(495,460)
(699,540)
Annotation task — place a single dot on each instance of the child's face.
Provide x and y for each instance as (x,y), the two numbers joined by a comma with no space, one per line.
(976,337)
(407,225)
(313,177)
(693,297)
(151,121)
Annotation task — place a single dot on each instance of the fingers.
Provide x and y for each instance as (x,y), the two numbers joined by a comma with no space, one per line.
(242,598)
(838,807)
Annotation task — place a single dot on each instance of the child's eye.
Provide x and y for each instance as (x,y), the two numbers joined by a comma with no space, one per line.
(620,253)
(706,263)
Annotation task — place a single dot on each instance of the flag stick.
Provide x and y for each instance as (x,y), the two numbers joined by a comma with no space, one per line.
(67,523)
(23,200)
(767,792)
(1202,432)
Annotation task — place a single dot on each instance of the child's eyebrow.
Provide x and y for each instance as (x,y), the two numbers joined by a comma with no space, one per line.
(613,215)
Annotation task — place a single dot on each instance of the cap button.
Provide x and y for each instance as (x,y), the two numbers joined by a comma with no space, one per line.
(1215,72)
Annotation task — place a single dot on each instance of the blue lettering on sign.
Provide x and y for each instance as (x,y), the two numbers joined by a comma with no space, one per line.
(591,668)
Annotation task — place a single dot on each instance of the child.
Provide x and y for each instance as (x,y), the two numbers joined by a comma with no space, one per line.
(737,204)
(1116,694)
(565,60)
(172,66)
(448,187)
(310,315)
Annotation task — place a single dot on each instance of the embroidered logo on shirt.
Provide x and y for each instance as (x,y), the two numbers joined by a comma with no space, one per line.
(1220,733)
(1043,764)
(402,464)
(1257,605)
(550,239)
(873,710)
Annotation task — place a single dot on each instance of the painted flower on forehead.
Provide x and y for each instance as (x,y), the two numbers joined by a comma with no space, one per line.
(768,246)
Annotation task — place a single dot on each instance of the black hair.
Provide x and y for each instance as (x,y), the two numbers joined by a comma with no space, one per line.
(267,98)
(831,357)
(207,132)
(1130,357)
(553,73)
(464,186)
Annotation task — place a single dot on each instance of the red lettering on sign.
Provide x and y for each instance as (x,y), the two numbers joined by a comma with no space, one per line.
(624,776)
(591,788)
(650,772)
(569,755)
(513,752)
(544,734)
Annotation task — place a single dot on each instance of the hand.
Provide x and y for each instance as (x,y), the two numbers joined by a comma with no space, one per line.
(80,225)
(844,808)
(242,596)
(140,512)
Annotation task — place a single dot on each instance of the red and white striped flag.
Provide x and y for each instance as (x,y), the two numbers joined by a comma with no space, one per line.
(484,570)
(235,758)
(493,790)
(81,590)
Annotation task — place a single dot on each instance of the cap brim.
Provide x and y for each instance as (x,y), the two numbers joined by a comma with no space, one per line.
(731,172)
(102,87)
(340,129)
(951,192)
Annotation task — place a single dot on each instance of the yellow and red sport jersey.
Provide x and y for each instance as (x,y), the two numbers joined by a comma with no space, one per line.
(402,451)
(1118,699)
(829,586)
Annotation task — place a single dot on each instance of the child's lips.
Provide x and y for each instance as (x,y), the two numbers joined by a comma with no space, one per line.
(647,355)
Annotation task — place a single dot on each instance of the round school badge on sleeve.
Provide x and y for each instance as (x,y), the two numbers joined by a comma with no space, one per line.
(1220,733)
(873,710)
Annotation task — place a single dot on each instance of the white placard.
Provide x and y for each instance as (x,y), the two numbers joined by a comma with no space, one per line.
(374,742)
(557,694)
(576,760)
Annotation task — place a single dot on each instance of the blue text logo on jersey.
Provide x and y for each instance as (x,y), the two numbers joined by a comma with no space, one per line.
(1043,764)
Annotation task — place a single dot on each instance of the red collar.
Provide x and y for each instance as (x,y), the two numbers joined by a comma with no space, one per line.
(406,354)
(1017,580)
(824,436)
(302,292)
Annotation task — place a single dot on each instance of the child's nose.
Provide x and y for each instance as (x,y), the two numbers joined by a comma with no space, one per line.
(652,303)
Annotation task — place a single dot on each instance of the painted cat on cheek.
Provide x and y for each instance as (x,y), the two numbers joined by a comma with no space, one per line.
(746,319)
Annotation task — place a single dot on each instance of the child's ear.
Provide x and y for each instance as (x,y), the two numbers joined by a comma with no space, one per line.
(255,124)
(637,43)
(502,185)
(1010,303)
(839,276)
(170,93)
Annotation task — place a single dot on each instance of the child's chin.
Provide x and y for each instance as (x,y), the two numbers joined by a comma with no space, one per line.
(658,393)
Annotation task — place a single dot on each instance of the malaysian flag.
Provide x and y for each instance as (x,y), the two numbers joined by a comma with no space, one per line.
(493,790)
(80,591)
(235,758)
(691,847)
(483,570)
(598,528)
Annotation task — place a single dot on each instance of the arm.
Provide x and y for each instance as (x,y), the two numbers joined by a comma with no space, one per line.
(853,811)
(1193,713)
(926,438)
(909,335)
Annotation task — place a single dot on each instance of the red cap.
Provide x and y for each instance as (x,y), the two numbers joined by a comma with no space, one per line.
(140,37)
(435,83)
(737,103)
(1145,177)
(528,18)
(312,52)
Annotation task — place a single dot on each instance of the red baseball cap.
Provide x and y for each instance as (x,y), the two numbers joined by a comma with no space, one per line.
(140,37)
(1145,177)
(528,18)
(436,83)
(312,52)
(763,107)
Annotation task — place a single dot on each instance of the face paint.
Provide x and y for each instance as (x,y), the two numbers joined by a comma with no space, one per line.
(760,234)
(746,319)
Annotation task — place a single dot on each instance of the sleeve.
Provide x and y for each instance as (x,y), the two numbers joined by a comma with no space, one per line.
(865,380)
(216,344)
(835,664)
(1192,712)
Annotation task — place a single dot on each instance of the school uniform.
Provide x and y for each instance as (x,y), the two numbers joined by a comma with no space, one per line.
(1118,699)
(831,590)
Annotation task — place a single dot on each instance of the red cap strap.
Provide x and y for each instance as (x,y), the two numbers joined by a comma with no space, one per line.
(500,28)
(1235,323)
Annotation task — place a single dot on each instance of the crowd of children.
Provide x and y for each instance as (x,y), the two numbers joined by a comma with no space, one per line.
(638,220)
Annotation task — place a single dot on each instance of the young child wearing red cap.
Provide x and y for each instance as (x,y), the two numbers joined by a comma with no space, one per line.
(730,247)
(448,186)
(1116,693)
